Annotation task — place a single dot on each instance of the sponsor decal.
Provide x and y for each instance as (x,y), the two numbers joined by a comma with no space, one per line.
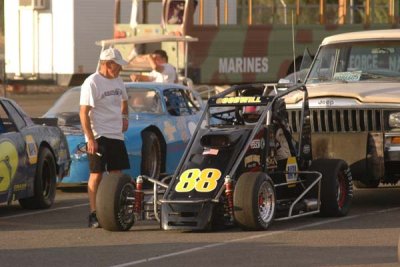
(31,149)
(238,100)
(291,169)
(20,187)
(256,143)
(8,163)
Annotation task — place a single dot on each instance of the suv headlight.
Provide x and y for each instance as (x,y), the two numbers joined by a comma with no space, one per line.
(394,120)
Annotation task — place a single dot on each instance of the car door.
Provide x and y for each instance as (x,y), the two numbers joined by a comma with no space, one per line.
(184,110)
(15,166)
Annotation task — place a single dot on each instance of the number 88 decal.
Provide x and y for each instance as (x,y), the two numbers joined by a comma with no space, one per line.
(200,180)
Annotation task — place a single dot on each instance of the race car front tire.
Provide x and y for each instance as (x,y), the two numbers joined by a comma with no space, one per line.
(254,201)
(114,202)
(44,186)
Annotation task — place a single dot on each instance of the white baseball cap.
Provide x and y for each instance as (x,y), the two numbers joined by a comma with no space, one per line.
(114,55)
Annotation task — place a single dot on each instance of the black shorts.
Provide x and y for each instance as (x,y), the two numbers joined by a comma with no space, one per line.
(113,156)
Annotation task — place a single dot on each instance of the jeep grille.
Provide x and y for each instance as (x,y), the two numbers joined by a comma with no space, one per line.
(340,120)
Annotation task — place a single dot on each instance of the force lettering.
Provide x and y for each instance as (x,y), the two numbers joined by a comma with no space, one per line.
(238,99)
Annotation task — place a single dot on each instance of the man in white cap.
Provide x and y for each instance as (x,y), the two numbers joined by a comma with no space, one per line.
(104,118)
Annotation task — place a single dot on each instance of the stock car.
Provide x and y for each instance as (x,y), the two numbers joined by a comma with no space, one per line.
(162,118)
(33,154)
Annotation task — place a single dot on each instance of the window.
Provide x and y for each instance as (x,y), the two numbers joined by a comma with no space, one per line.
(179,103)
(175,12)
(144,100)
(69,102)
(357,61)
(193,102)
(7,124)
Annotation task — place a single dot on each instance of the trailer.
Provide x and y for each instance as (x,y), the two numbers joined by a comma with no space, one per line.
(54,41)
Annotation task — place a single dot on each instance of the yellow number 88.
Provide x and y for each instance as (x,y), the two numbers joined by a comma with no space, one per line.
(200,180)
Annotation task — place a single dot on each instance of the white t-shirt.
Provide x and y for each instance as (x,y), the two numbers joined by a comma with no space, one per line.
(105,97)
(168,75)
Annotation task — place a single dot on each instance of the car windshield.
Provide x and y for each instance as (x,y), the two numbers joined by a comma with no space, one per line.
(68,102)
(140,100)
(144,100)
(357,61)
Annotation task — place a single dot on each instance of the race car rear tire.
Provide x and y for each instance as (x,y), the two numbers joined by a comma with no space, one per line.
(151,155)
(366,184)
(336,186)
(44,186)
(113,208)
(254,201)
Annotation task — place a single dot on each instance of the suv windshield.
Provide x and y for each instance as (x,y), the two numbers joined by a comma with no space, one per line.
(357,61)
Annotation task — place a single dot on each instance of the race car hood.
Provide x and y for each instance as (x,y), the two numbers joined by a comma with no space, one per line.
(371,92)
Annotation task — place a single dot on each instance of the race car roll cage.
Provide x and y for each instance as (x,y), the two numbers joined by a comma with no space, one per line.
(266,116)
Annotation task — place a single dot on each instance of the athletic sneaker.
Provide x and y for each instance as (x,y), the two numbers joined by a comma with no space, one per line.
(93,222)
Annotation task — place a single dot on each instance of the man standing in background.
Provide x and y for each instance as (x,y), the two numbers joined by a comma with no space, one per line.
(162,71)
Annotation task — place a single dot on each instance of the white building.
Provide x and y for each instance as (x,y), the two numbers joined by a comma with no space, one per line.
(54,40)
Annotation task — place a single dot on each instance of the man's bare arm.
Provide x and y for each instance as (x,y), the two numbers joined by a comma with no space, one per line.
(87,129)
(141,78)
(124,111)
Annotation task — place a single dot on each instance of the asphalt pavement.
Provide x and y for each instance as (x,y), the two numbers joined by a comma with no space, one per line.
(59,236)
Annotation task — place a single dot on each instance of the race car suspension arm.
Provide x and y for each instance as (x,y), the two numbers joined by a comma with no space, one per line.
(314,183)
(155,193)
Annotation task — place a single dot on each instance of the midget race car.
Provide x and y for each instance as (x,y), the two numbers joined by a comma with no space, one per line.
(162,118)
(242,166)
(32,157)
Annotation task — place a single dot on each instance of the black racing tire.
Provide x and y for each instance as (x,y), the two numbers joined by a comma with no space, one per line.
(113,208)
(336,186)
(151,155)
(254,201)
(366,184)
(44,187)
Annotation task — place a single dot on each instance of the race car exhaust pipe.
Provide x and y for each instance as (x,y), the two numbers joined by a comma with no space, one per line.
(311,204)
